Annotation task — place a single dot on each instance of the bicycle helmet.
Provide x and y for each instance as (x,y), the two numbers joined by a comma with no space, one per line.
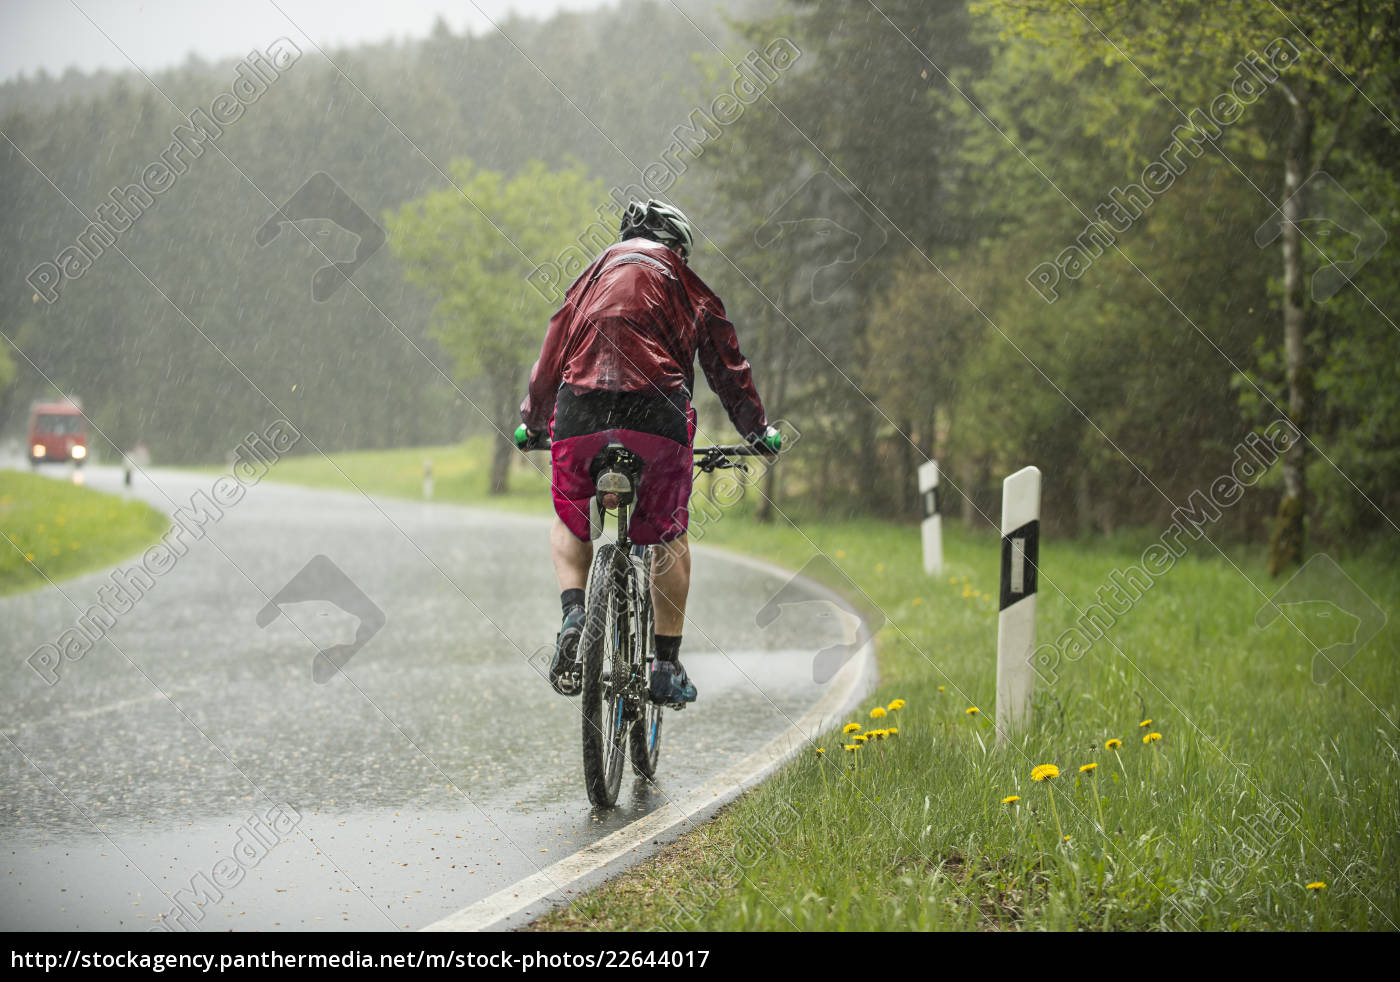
(659,222)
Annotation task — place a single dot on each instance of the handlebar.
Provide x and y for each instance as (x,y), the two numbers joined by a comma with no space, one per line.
(708,459)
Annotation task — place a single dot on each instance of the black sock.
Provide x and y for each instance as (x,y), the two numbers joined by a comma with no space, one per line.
(571,598)
(668,647)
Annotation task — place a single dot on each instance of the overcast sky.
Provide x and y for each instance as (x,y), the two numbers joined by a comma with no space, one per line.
(156,34)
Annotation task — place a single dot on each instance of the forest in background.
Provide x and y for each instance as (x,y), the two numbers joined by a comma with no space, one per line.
(887,222)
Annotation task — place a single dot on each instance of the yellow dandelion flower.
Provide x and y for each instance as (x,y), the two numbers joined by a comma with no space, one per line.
(893,731)
(942,688)
(1084,768)
(1066,838)
(1145,723)
(1152,738)
(1317,885)
(821,750)
(1011,799)
(1113,744)
(879,567)
(1043,772)
(967,594)
(840,553)
(850,727)
(971,711)
(918,601)
(861,737)
(29,557)
(851,746)
(897,705)
(877,713)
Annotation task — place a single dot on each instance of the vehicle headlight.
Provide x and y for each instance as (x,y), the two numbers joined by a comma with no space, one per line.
(39,450)
(79,451)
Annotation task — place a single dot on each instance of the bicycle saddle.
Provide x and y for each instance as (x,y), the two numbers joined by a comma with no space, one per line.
(616,472)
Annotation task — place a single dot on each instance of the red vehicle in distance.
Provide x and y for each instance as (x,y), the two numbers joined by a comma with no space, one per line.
(57,433)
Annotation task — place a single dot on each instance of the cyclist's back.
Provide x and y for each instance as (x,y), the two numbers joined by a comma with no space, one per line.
(634,321)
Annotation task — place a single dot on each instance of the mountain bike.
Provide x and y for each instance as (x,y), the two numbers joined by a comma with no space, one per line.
(619,634)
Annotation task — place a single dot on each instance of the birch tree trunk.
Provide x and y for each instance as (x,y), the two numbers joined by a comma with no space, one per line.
(1286,548)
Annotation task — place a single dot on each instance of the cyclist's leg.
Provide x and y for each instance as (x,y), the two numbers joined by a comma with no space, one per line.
(660,521)
(670,584)
(572,556)
(570,548)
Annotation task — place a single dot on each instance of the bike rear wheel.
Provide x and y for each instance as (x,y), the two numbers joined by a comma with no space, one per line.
(646,740)
(604,652)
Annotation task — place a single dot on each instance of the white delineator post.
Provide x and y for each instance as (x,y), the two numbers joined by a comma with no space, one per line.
(1020,561)
(933,522)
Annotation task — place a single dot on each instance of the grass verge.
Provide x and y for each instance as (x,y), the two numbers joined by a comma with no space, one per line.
(1261,782)
(460,474)
(57,530)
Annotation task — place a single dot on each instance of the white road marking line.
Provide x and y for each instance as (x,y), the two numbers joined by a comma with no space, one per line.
(110,707)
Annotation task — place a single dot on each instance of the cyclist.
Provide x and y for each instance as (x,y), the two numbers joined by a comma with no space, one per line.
(618,364)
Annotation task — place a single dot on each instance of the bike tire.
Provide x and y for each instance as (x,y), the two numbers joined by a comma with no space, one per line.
(645,749)
(604,739)
(646,741)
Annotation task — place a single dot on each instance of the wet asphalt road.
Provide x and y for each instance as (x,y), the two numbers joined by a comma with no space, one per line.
(192,745)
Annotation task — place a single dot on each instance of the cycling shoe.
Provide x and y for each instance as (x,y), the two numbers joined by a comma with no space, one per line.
(564,674)
(670,686)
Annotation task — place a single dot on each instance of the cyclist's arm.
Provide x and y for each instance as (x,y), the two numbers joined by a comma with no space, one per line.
(545,376)
(730,374)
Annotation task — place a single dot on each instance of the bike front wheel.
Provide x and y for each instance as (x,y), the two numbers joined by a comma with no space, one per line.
(605,674)
(645,737)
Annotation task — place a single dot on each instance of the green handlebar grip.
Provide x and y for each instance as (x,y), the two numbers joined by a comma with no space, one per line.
(522,435)
(773,441)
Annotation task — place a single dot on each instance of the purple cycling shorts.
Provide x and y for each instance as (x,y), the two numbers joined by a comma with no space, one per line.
(661,512)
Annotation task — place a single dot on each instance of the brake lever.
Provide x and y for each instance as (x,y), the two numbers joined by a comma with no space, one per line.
(712,462)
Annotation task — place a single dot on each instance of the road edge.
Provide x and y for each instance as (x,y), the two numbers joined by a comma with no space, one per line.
(558,884)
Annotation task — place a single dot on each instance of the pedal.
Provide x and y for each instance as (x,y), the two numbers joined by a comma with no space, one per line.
(569,684)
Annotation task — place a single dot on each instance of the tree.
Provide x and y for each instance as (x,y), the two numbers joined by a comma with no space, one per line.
(1320,57)
(7,368)
(473,247)
(920,334)
(856,136)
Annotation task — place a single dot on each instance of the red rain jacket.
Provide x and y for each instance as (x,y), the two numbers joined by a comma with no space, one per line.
(634,321)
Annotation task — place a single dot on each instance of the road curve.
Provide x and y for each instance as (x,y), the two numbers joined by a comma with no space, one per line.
(187,770)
